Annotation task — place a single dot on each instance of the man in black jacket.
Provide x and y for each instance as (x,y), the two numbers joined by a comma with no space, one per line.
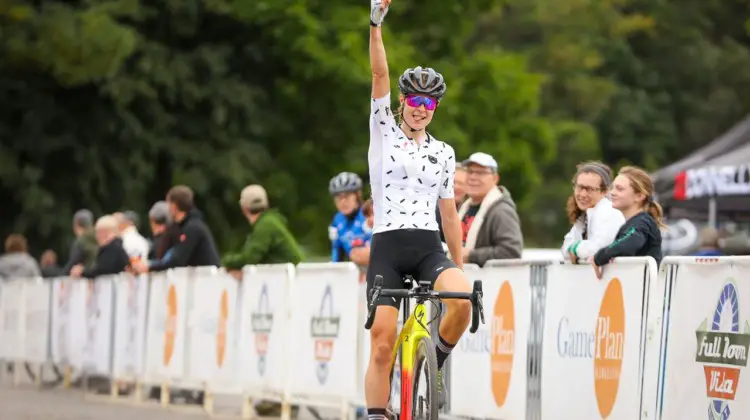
(196,247)
(112,258)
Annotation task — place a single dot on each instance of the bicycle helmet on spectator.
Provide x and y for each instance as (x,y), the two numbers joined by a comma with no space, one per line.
(345,182)
(423,81)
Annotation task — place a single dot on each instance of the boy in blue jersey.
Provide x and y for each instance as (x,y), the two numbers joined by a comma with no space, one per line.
(348,229)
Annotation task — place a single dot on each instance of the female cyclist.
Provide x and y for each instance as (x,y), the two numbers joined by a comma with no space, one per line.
(633,195)
(347,230)
(409,171)
(595,221)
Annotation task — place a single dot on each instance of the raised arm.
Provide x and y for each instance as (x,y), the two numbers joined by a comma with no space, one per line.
(378,62)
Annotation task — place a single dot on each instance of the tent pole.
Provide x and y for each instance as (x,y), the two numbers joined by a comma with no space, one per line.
(712,212)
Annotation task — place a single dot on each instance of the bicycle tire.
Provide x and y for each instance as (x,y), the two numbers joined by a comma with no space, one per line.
(426,356)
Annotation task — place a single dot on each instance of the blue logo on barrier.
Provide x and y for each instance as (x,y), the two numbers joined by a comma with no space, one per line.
(262,325)
(324,328)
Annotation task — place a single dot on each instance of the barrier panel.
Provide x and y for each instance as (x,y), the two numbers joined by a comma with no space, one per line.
(594,338)
(99,325)
(707,338)
(167,327)
(11,314)
(68,322)
(212,324)
(264,333)
(323,357)
(495,357)
(131,310)
(36,321)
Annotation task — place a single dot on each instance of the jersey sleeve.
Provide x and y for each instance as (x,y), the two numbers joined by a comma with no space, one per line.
(381,114)
(446,187)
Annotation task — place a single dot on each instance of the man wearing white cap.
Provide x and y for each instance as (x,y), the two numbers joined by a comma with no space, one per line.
(491,228)
(270,241)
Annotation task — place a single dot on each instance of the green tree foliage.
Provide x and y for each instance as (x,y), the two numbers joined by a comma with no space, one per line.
(107,103)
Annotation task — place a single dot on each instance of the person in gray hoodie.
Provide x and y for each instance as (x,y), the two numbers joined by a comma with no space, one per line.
(490,223)
(16,262)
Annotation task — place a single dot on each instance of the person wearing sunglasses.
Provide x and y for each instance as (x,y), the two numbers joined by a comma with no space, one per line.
(410,171)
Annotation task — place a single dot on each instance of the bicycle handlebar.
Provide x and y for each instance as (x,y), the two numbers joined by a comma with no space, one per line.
(423,292)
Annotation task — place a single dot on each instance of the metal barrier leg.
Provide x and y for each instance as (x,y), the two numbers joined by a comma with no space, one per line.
(165,394)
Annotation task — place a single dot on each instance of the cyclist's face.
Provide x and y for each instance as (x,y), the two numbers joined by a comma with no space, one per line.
(346,203)
(587,190)
(419,117)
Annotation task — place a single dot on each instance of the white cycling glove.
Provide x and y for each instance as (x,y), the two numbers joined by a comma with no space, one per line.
(376,13)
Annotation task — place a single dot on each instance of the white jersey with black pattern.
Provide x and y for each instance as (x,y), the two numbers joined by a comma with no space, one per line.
(406,179)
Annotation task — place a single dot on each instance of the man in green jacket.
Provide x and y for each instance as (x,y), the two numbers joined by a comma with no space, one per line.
(269,242)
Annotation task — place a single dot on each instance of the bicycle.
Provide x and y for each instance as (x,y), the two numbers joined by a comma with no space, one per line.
(414,342)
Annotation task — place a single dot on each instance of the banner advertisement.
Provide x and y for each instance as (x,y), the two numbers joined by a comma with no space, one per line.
(324,321)
(592,341)
(708,343)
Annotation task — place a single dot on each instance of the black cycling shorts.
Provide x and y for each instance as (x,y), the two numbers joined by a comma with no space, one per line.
(397,253)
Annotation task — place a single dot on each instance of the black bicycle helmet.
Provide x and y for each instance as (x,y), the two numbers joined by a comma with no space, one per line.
(424,81)
(345,182)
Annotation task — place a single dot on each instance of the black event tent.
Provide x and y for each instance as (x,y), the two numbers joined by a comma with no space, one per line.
(712,183)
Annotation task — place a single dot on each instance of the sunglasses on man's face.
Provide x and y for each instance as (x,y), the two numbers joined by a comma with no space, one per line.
(415,101)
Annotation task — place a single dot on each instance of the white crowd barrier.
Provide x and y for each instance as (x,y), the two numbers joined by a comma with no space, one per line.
(558,343)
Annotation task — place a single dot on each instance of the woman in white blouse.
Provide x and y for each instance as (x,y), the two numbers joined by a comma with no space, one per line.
(595,221)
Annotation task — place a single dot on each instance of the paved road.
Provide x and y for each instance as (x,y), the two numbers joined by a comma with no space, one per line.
(25,402)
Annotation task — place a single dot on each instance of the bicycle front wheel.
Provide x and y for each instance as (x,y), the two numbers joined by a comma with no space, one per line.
(425,382)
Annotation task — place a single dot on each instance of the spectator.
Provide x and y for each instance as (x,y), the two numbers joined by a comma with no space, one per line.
(16,262)
(709,243)
(347,228)
(49,266)
(134,243)
(633,195)
(459,189)
(160,221)
(491,228)
(85,248)
(196,246)
(595,221)
(111,258)
(270,242)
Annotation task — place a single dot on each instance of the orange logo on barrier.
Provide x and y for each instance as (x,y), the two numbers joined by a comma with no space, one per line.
(503,339)
(221,334)
(609,346)
(170,330)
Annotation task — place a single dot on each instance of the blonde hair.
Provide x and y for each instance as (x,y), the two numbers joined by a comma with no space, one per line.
(641,183)
(589,167)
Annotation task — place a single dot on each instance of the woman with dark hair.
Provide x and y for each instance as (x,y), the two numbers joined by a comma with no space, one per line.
(595,221)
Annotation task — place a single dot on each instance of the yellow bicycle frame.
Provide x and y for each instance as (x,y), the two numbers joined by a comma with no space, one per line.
(411,334)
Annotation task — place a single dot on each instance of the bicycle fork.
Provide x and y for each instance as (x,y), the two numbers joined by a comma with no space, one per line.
(408,339)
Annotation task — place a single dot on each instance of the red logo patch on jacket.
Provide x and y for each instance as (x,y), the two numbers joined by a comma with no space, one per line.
(182,238)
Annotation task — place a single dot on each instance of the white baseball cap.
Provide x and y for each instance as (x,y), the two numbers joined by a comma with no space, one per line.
(482,159)
(254,197)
